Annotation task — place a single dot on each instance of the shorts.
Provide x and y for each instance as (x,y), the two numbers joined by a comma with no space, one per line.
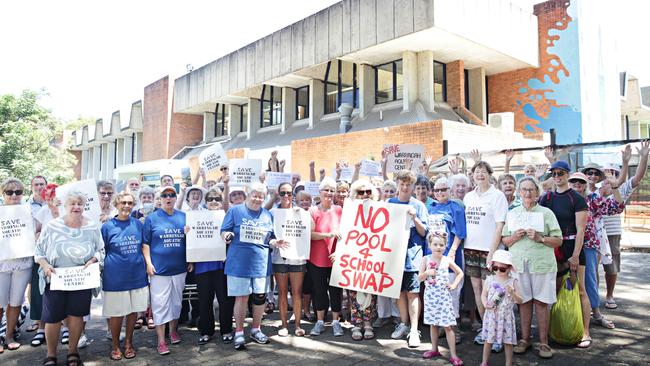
(615,245)
(476,263)
(244,286)
(13,285)
(410,282)
(537,286)
(122,303)
(58,305)
(562,255)
(288,268)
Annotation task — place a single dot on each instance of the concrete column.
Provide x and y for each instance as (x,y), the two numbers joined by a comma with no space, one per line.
(425,80)
(366,80)
(109,148)
(95,171)
(120,152)
(138,147)
(288,107)
(409,80)
(208,126)
(235,118)
(127,150)
(89,163)
(253,117)
(477,102)
(316,106)
(84,164)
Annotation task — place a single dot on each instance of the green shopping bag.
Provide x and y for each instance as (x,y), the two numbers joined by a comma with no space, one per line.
(566,314)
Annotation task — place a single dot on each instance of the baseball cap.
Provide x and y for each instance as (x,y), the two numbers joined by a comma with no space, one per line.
(560,164)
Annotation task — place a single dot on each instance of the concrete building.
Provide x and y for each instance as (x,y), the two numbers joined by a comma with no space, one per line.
(635,108)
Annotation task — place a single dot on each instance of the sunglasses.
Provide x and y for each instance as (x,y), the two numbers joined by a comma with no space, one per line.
(593,172)
(391,191)
(125,203)
(168,195)
(224,168)
(106,193)
(558,173)
(500,269)
(213,199)
(282,194)
(367,192)
(577,181)
(17,192)
(438,190)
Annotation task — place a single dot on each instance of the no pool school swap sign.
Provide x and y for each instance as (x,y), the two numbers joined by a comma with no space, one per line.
(370,254)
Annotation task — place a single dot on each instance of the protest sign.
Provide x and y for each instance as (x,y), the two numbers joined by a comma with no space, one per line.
(16,232)
(313,188)
(203,241)
(347,173)
(213,158)
(397,156)
(274,179)
(75,278)
(294,226)
(525,220)
(87,187)
(436,223)
(370,254)
(244,171)
(370,168)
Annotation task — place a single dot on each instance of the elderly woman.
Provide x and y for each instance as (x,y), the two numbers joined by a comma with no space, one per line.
(459,186)
(388,190)
(105,191)
(14,273)
(124,279)
(288,270)
(342,192)
(533,256)
(422,188)
(248,230)
(326,218)
(507,185)
(147,205)
(164,252)
(363,306)
(68,241)
(211,281)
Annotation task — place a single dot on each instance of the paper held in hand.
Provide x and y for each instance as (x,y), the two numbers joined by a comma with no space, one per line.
(525,220)
(204,243)
(294,226)
(370,168)
(274,179)
(243,172)
(75,278)
(313,188)
(213,158)
(16,232)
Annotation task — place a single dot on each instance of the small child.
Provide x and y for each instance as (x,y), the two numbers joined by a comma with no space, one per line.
(500,293)
(438,308)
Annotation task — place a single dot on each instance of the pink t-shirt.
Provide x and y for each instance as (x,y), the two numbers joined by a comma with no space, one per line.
(325,222)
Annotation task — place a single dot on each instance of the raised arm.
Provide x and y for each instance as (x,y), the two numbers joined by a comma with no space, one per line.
(509,155)
(643,163)
(312,171)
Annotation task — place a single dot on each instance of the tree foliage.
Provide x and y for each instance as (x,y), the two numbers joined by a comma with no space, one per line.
(31,141)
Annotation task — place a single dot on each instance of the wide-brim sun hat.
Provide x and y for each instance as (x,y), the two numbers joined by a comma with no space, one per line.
(578,176)
(593,166)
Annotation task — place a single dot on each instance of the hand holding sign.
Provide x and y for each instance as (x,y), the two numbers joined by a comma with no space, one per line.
(370,168)
(213,158)
(75,278)
(293,227)
(398,156)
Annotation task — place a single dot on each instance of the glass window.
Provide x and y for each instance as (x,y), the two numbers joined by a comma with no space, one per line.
(243,118)
(439,82)
(388,82)
(221,120)
(302,102)
(340,85)
(466,75)
(271,103)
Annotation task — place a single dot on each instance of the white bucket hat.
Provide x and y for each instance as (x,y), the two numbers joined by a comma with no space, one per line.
(503,256)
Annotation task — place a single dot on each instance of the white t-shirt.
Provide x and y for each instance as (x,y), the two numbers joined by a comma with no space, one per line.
(482,212)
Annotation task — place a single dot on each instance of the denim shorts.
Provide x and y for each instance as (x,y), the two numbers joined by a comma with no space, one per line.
(244,286)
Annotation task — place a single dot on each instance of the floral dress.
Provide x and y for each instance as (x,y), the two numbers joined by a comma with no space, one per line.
(499,322)
(438,308)
(363,307)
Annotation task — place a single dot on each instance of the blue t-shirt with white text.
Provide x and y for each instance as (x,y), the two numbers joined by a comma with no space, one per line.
(124,266)
(166,238)
(453,216)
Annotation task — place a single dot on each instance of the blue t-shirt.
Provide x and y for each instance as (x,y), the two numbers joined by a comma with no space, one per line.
(166,238)
(248,254)
(203,267)
(417,243)
(124,266)
(453,216)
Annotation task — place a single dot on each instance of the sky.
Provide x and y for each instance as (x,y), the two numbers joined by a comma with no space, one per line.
(93,57)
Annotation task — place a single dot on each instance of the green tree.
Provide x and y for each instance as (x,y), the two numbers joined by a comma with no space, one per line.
(31,140)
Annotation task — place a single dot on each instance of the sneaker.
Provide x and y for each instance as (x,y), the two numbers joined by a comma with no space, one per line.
(83,341)
(240,342)
(380,322)
(65,335)
(497,347)
(259,337)
(318,328)
(174,338)
(476,326)
(479,338)
(283,332)
(400,331)
(163,349)
(414,339)
(337,329)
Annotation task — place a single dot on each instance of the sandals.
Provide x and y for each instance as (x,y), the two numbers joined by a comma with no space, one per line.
(65,337)
(431,354)
(356,334)
(611,304)
(227,338)
(603,322)
(456,361)
(39,339)
(283,332)
(521,347)
(73,359)
(150,324)
(204,339)
(129,353)
(309,317)
(584,343)
(50,361)
(299,332)
(12,346)
(116,355)
(545,351)
(368,333)
(32,328)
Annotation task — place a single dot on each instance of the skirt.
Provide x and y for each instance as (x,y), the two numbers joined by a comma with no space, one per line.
(166,297)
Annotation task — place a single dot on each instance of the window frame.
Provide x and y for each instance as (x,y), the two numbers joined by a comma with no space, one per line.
(297,90)
(224,127)
(444,79)
(339,84)
(393,81)
(243,123)
(272,104)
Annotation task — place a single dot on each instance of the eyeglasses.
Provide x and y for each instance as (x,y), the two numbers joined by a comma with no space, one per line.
(125,203)
(106,193)
(391,191)
(17,192)
(282,194)
(438,190)
(500,269)
(558,173)
(366,192)
(213,199)
(223,168)
(168,195)
(577,181)
(593,172)
(528,190)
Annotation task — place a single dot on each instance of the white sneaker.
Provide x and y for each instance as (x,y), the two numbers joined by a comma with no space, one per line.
(318,328)
(83,341)
(414,339)
(400,331)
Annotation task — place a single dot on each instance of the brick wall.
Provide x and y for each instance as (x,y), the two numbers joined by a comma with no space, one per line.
(186,130)
(355,146)
(455,76)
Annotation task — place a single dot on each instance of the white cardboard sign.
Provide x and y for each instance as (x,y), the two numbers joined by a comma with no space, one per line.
(16,232)
(370,168)
(243,172)
(313,188)
(346,173)
(294,226)
(213,158)
(274,179)
(203,241)
(398,154)
(89,188)
(75,278)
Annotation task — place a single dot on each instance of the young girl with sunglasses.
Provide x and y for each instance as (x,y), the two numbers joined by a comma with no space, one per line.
(499,295)
(438,308)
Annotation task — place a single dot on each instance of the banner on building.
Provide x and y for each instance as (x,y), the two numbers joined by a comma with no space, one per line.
(397,156)
(75,278)
(212,158)
(370,254)
(274,179)
(244,171)
(294,226)
(203,241)
(370,168)
(16,232)
(88,188)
